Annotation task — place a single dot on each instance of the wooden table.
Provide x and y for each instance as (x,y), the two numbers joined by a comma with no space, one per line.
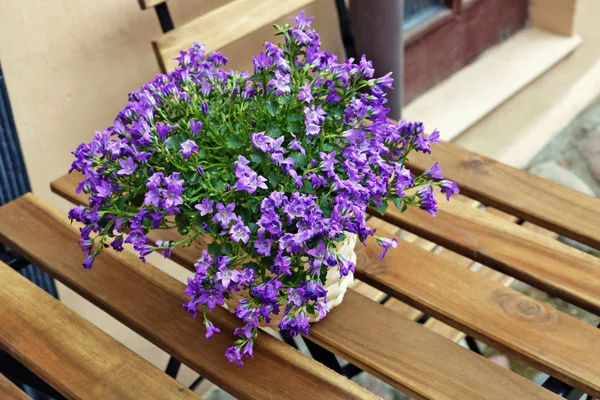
(447,283)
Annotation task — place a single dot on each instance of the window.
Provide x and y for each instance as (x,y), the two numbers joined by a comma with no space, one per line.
(418,11)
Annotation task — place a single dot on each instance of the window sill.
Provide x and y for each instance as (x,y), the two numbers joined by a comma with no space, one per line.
(502,71)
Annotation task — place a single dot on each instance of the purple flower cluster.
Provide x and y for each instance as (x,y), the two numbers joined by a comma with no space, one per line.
(277,167)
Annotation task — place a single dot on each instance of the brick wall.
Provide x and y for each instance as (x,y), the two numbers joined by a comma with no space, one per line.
(434,54)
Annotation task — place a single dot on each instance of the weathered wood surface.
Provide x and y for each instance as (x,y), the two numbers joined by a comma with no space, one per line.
(517,192)
(9,391)
(509,248)
(71,354)
(149,301)
(554,342)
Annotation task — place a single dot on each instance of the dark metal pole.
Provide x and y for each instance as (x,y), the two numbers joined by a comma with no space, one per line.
(377,27)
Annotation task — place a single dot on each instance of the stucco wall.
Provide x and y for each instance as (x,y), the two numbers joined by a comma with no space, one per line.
(69,65)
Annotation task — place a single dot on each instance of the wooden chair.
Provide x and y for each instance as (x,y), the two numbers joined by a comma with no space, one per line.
(376,339)
(474,303)
(68,352)
(238,28)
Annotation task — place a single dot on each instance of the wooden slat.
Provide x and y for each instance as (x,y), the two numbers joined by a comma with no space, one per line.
(517,192)
(69,353)
(553,341)
(405,354)
(418,361)
(9,391)
(224,25)
(511,249)
(149,301)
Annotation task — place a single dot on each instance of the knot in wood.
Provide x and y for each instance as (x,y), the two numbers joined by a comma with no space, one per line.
(518,305)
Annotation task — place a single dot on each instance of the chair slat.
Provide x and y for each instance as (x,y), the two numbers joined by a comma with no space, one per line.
(69,353)
(223,25)
(9,391)
(517,192)
(553,341)
(367,333)
(420,362)
(509,248)
(149,301)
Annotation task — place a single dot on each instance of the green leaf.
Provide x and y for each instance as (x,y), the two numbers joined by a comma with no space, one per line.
(233,142)
(271,108)
(214,249)
(295,127)
(174,142)
(273,178)
(191,177)
(397,201)
(274,132)
(382,208)
(299,159)
(257,157)
(285,100)
(310,308)
(183,223)
(327,148)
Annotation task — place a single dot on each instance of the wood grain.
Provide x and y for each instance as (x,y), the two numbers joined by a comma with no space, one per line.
(406,355)
(149,301)
(511,249)
(360,349)
(551,340)
(224,25)
(9,391)
(517,192)
(69,353)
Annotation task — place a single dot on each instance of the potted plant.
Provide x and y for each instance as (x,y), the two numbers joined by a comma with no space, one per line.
(276,167)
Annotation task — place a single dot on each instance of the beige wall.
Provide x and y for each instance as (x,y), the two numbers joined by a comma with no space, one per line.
(69,65)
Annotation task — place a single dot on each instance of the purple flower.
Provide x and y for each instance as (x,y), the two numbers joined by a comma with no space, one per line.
(282,264)
(321,309)
(210,328)
(263,246)
(248,349)
(427,200)
(302,21)
(226,275)
(128,166)
(449,188)
(434,172)
(296,145)
(234,356)
(386,244)
(261,141)
(205,207)
(385,81)
(294,297)
(163,130)
(239,231)
(212,297)
(188,147)
(346,266)
(280,83)
(224,214)
(328,162)
(261,61)
(195,127)
(305,94)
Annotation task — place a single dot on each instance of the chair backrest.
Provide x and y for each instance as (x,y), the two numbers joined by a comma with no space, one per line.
(239,28)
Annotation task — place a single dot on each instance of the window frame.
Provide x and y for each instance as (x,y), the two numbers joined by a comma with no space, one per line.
(453,10)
